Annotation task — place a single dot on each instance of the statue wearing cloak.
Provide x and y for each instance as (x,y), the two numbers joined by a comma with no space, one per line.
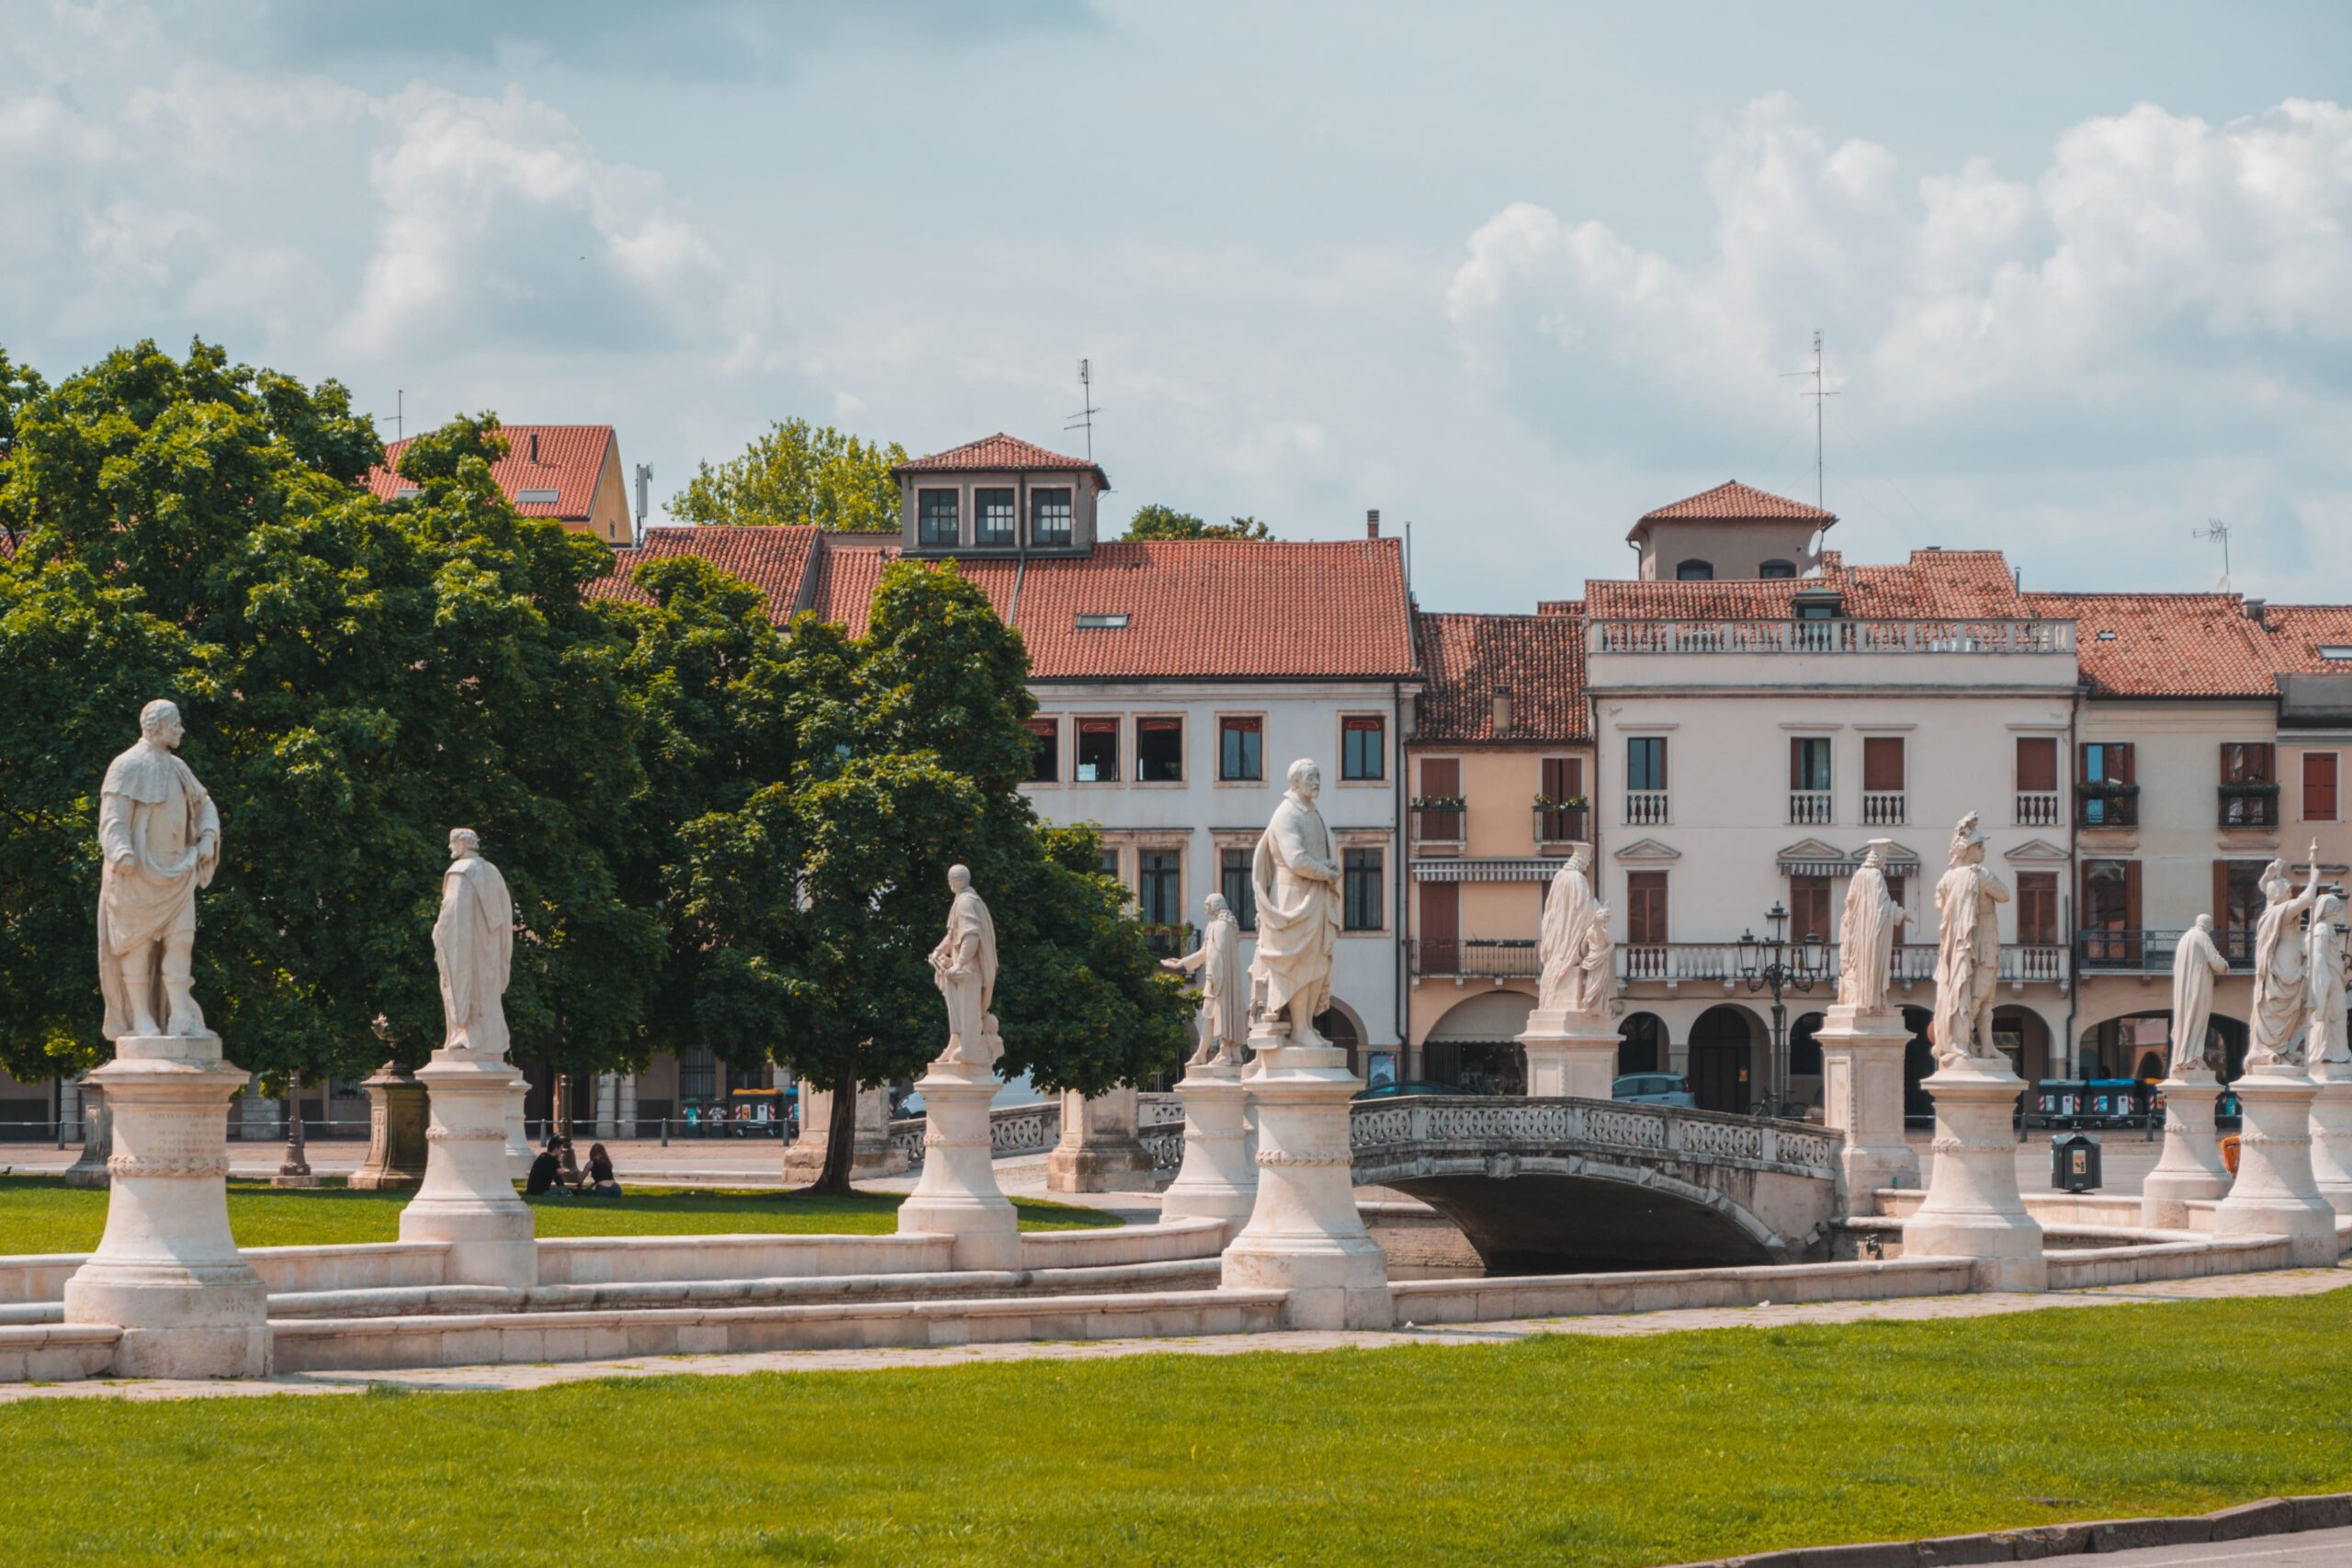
(1968,952)
(1564,934)
(2281,978)
(159,840)
(1866,935)
(1225,1003)
(1296,878)
(2195,965)
(965,966)
(2324,953)
(473,945)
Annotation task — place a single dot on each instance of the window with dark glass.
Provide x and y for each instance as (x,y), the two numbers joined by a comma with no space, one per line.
(2103,792)
(1777,568)
(1809,762)
(1645,762)
(1695,571)
(1159,750)
(1241,893)
(1240,752)
(1159,886)
(1363,902)
(1045,750)
(2238,903)
(935,518)
(992,517)
(1098,750)
(2110,913)
(1109,864)
(1049,516)
(1363,747)
(697,1072)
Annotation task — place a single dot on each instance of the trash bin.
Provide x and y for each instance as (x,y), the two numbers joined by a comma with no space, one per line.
(2073,1163)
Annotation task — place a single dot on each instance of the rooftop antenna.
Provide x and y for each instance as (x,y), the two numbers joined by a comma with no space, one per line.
(1819,394)
(400,408)
(1084,418)
(2219,532)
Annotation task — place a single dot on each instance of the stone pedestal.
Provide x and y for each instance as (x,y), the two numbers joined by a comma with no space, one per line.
(2191,1165)
(467,1196)
(1861,1095)
(1972,1209)
(2275,1193)
(871,1153)
(1218,1177)
(97,1136)
(396,1146)
(519,1152)
(1569,1054)
(1305,1235)
(1099,1151)
(168,1272)
(957,1195)
(2332,1135)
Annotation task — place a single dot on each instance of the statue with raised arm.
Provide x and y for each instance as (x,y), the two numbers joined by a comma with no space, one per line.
(1968,952)
(2324,955)
(159,836)
(964,966)
(2281,975)
(1866,934)
(1562,935)
(1224,1001)
(1296,874)
(473,946)
(2196,964)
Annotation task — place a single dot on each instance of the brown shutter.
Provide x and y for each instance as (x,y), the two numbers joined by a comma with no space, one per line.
(2037,763)
(1645,907)
(2131,896)
(1440,776)
(1883,763)
(2319,786)
(2120,763)
(1441,926)
(1796,773)
(2221,895)
(2265,759)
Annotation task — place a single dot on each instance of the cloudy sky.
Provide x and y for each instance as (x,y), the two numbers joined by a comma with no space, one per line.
(1514,272)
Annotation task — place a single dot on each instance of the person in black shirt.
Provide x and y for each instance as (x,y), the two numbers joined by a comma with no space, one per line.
(547,1174)
(600,1182)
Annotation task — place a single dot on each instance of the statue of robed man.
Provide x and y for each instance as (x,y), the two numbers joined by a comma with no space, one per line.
(1564,935)
(1295,875)
(1224,1004)
(965,966)
(1968,952)
(2323,949)
(2196,964)
(1866,934)
(473,944)
(159,836)
(2281,976)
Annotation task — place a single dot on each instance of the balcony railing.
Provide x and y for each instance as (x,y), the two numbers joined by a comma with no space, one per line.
(1563,825)
(2037,808)
(1603,636)
(2240,809)
(1645,807)
(1438,824)
(1886,808)
(2121,950)
(1810,808)
(2095,810)
(1910,964)
(1511,958)
(1167,941)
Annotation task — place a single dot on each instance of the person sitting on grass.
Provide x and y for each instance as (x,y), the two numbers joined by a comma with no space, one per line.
(600,1175)
(547,1174)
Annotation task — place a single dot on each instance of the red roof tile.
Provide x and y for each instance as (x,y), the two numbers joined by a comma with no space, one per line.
(2298,632)
(1000,451)
(1732,502)
(1932,585)
(570,458)
(847,575)
(2194,645)
(775,560)
(1538,659)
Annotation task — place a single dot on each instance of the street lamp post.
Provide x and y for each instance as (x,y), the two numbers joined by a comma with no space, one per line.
(1774,963)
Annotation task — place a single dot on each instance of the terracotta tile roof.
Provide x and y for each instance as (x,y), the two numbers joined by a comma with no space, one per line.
(2194,645)
(775,560)
(847,575)
(2298,632)
(1538,659)
(570,458)
(1000,451)
(1932,585)
(1732,502)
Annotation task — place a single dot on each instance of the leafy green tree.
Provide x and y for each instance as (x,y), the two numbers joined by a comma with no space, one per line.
(1154,521)
(800,474)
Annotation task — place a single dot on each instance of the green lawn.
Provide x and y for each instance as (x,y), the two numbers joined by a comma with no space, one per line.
(1567,1449)
(43,1214)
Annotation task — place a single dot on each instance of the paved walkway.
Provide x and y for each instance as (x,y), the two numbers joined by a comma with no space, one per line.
(2313,1549)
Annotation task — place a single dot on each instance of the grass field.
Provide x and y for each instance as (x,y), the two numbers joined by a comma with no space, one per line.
(43,1214)
(1567,1449)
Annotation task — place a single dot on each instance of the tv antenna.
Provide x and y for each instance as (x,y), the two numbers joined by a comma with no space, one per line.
(400,408)
(1819,395)
(2219,532)
(1084,418)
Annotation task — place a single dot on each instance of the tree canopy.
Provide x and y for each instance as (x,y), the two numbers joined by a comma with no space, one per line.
(1154,521)
(800,474)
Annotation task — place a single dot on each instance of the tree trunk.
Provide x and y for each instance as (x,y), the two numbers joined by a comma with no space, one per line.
(841,1135)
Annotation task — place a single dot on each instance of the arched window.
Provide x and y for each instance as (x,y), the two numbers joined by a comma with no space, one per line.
(1804,1051)
(1695,571)
(1644,1050)
(1777,568)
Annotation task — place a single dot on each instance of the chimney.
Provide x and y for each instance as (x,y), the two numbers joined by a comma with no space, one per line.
(535,446)
(1502,713)
(1371,524)
(2254,608)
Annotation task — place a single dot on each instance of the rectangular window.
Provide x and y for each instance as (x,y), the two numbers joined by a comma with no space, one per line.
(1645,908)
(2246,762)
(1562,781)
(1882,764)
(697,1072)
(1363,747)
(1364,903)
(2037,764)
(1809,762)
(2319,786)
(1159,886)
(1049,525)
(992,517)
(1108,865)
(1159,750)
(936,519)
(2109,918)
(2038,908)
(1809,909)
(1045,753)
(1438,820)
(1241,750)
(2237,907)
(1645,762)
(1098,750)
(1241,893)
(1440,928)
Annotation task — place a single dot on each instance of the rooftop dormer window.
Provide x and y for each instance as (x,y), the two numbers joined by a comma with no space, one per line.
(1773,570)
(936,519)
(1818,604)
(1049,518)
(2335,652)
(993,512)
(1695,571)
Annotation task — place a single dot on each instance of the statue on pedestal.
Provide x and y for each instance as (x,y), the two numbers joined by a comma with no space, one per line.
(473,945)
(1866,934)
(1224,1004)
(1296,872)
(2196,964)
(159,834)
(2324,1035)
(1573,941)
(964,966)
(1968,953)
(2281,979)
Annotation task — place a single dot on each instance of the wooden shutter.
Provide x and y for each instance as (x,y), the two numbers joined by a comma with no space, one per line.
(1645,911)
(2131,896)
(1796,762)
(2037,763)
(1440,776)
(1563,777)
(2038,908)
(1441,926)
(2121,764)
(1883,763)
(1809,909)
(2319,786)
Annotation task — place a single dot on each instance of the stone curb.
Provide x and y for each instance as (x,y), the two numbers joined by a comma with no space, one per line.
(2272,1516)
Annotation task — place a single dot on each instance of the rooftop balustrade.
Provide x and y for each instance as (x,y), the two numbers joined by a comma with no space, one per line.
(1833,636)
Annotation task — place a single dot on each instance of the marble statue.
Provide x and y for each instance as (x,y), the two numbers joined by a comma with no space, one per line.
(1866,934)
(1968,953)
(473,944)
(2281,989)
(1564,933)
(1225,1002)
(2326,1039)
(1594,980)
(159,834)
(2196,964)
(964,966)
(1296,874)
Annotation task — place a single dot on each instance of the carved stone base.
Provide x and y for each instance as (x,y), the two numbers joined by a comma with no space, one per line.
(519,1152)
(98,1137)
(1569,1054)
(1099,1151)
(2275,1193)
(957,1195)
(396,1144)
(1219,1178)
(1305,1235)
(168,1272)
(1861,1095)
(468,1196)
(2332,1135)
(871,1153)
(2191,1166)
(1972,1207)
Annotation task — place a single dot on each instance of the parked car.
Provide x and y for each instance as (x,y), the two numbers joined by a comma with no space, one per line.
(1654,1088)
(1405,1088)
